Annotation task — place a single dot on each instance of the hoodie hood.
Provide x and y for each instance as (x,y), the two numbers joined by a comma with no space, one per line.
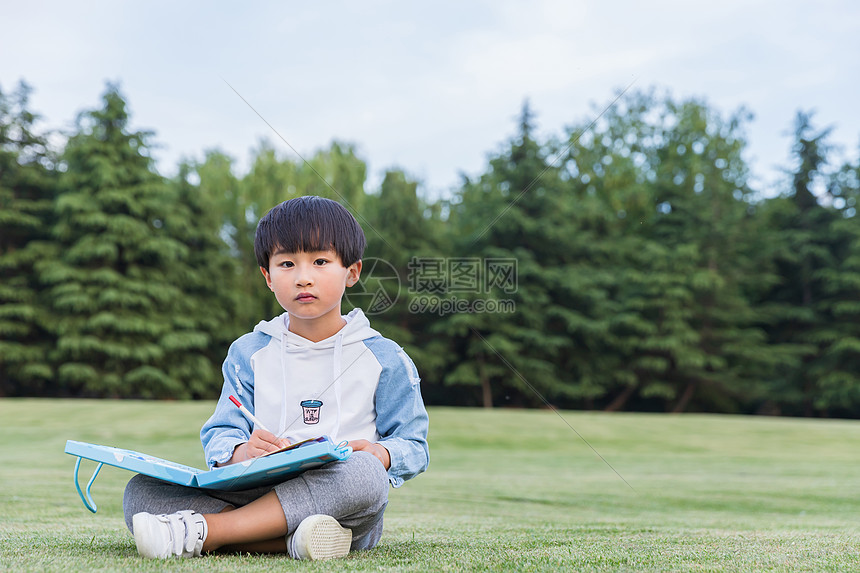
(357,328)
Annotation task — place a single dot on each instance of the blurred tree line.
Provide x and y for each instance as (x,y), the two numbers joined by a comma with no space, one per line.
(628,265)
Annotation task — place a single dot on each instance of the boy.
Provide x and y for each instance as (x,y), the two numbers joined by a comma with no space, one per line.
(306,373)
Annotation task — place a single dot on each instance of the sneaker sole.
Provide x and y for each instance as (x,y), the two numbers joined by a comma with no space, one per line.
(328,540)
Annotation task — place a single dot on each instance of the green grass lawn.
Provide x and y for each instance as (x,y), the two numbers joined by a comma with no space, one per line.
(506,490)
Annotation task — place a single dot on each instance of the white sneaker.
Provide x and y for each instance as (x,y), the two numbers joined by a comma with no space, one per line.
(319,537)
(179,534)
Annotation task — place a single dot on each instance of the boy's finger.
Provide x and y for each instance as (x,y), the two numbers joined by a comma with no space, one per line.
(267,437)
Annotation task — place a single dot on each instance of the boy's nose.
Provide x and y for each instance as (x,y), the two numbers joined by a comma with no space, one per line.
(303,278)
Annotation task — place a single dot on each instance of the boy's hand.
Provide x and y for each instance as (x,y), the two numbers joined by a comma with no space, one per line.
(261,442)
(374,448)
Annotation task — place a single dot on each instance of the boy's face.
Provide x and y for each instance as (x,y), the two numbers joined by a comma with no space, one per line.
(310,287)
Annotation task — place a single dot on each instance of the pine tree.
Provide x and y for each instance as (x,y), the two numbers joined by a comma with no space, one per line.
(805,251)
(27,189)
(512,217)
(836,369)
(113,286)
(235,220)
(609,257)
(403,237)
(203,321)
(702,183)
(659,281)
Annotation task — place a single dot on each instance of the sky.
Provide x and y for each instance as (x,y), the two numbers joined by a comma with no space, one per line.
(431,88)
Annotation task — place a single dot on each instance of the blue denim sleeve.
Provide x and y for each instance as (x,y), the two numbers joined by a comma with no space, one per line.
(401,418)
(228,427)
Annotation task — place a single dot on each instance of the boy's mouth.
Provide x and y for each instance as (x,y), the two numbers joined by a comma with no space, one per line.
(305,297)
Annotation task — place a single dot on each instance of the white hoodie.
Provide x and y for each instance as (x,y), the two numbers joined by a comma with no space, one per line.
(354,385)
(340,372)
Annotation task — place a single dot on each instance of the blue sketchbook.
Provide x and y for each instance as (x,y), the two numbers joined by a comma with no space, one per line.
(265,470)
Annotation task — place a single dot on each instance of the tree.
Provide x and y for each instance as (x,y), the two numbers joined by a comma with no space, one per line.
(238,203)
(203,322)
(805,251)
(117,303)
(704,201)
(27,189)
(513,215)
(837,368)
(404,234)
(657,283)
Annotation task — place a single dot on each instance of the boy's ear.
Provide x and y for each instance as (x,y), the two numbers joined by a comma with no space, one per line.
(353,273)
(268,278)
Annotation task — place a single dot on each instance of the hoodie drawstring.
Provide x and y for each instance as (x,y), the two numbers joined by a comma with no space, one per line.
(282,426)
(337,375)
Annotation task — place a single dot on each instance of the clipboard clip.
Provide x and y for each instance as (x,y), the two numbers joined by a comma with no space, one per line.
(342,450)
(88,500)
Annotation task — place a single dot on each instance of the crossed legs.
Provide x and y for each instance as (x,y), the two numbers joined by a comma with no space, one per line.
(353,491)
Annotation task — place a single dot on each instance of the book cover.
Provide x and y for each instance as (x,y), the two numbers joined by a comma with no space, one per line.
(265,470)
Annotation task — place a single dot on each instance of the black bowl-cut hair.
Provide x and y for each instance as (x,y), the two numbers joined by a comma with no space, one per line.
(306,224)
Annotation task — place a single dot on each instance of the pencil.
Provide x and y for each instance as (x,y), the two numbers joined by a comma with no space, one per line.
(249,415)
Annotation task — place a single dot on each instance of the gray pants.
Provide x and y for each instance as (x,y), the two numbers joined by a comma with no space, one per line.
(353,491)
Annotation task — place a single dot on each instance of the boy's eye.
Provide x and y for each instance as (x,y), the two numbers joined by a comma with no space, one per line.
(320,262)
(287,264)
